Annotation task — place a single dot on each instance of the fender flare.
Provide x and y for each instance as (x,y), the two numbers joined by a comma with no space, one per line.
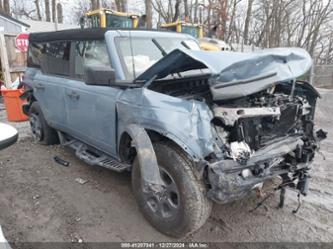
(150,172)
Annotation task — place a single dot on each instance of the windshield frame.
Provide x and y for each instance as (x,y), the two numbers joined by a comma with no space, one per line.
(132,77)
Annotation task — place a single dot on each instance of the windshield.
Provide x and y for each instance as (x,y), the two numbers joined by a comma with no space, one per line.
(193,31)
(114,21)
(146,52)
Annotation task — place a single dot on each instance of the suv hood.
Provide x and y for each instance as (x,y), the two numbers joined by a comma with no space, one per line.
(258,70)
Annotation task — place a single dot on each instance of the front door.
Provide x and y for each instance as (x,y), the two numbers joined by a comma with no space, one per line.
(91,110)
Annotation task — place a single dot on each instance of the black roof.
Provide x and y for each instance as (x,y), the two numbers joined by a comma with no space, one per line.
(4,15)
(76,34)
(70,34)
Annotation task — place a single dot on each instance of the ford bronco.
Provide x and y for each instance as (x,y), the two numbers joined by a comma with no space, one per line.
(193,127)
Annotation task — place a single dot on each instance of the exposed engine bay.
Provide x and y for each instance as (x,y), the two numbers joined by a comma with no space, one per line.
(262,135)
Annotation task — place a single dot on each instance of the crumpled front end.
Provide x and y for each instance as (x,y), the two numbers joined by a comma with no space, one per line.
(264,135)
(243,120)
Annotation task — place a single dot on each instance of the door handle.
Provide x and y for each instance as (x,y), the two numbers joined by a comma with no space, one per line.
(39,87)
(73,95)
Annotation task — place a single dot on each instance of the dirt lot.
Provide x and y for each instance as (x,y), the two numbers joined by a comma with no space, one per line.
(42,201)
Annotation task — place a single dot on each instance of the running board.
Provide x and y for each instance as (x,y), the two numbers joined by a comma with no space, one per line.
(93,156)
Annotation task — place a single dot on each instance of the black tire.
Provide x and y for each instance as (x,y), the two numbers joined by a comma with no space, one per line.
(193,207)
(43,134)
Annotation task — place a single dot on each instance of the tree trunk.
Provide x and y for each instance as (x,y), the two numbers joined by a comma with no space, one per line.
(60,13)
(170,11)
(186,10)
(39,15)
(54,11)
(118,5)
(231,27)
(149,14)
(196,7)
(123,5)
(1,7)
(247,21)
(223,13)
(177,12)
(47,11)
(6,7)
(93,4)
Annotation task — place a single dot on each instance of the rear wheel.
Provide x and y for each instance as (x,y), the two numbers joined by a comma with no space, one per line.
(41,131)
(183,207)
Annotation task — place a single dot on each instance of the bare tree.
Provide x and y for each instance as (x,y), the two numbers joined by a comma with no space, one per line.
(121,5)
(53,8)
(164,10)
(93,4)
(247,21)
(47,11)
(149,15)
(80,9)
(177,11)
(60,13)
(186,11)
(38,12)
(263,23)
(232,25)
(6,7)
(124,5)
(196,9)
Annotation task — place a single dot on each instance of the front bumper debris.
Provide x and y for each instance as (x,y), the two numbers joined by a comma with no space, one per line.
(230,180)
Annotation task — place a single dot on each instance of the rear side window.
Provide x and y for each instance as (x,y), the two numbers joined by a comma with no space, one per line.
(35,54)
(89,53)
(55,59)
(50,57)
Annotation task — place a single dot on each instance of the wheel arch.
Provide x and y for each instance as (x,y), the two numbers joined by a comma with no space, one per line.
(155,135)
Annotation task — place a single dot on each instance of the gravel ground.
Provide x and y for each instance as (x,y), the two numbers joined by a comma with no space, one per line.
(42,201)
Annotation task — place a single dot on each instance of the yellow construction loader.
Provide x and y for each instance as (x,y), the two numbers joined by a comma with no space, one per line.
(103,18)
(196,30)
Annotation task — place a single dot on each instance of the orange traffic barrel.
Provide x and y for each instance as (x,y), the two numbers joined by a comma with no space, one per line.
(13,104)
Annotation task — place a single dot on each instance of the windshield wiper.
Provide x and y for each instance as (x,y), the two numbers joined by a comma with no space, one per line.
(185,45)
(164,53)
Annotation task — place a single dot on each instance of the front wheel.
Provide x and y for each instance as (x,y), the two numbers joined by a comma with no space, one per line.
(183,208)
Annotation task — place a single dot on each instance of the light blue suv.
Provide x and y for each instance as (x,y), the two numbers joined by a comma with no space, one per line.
(192,126)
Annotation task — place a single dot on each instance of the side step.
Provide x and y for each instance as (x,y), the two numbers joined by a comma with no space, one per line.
(93,156)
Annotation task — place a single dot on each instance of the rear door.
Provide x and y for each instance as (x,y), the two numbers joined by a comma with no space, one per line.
(91,110)
(50,80)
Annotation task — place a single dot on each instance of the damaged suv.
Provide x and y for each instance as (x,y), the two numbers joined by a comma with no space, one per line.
(194,127)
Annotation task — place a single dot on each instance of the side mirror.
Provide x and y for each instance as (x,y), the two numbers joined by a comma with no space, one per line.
(8,135)
(99,75)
